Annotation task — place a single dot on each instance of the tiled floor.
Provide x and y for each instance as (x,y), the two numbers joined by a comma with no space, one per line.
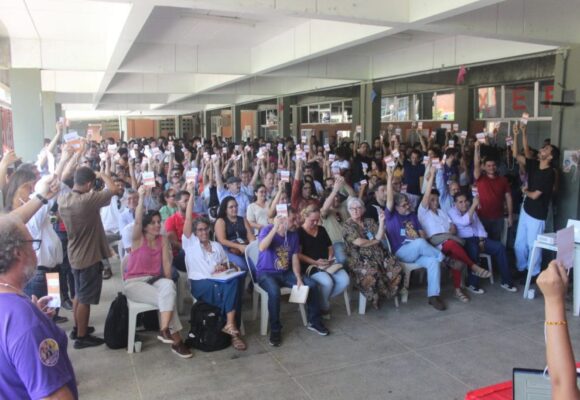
(413,352)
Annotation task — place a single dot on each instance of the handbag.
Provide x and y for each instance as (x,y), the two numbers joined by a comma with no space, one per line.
(332,269)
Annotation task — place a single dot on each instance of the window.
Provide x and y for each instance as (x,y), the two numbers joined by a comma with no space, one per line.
(488,102)
(347,111)
(444,109)
(336,112)
(425,106)
(519,98)
(313,114)
(395,109)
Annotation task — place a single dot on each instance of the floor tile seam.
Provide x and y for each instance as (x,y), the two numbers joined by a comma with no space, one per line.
(440,368)
(137,381)
(348,365)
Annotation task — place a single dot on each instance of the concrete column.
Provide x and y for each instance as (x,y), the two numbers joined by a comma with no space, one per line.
(177,126)
(565,122)
(206,127)
(123,128)
(370,111)
(27,115)
(296,118)
(462,107)
(49,114)
(284,109)
(236,123)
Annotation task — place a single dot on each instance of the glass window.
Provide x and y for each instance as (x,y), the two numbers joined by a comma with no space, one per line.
(403,113)
(304,115)
(347,111)
(324,113)
(313,114)
(336,112)
(387,109)
(444,109)
(519,98)
(488,102)
(546,94)
(425,106)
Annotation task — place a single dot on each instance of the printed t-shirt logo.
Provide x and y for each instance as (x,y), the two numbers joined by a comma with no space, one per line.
(282,261)
(48,352)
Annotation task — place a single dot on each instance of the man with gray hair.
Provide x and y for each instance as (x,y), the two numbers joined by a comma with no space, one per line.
(407,239)
(33,350)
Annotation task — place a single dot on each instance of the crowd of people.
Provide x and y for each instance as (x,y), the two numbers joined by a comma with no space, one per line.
(325,214)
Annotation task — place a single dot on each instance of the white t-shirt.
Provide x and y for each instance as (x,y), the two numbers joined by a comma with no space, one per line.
(433,223)
(110,216)
(201,264)
(257,214)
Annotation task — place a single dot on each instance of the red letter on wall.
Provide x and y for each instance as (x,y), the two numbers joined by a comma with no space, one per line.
(519,99)
(548,94)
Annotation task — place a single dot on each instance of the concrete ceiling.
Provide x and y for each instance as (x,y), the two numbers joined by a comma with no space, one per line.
(163,57)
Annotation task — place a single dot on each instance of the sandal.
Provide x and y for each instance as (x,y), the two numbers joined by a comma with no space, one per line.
(238,343)
(481,272)
(461,296)
(230,330)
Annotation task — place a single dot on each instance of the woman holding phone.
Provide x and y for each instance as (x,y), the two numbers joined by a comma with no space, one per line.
(147,278)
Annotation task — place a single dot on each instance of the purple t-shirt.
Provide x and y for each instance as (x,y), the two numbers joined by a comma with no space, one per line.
(278,256)
(33,352)
(401,228)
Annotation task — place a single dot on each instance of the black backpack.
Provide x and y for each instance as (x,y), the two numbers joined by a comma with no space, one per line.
(117,323)
(205,333)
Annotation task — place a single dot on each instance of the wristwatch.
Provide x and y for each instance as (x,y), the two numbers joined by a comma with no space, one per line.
(41,198)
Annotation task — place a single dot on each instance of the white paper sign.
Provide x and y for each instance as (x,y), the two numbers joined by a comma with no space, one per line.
(53,289)
(282,210)
(419,125)
(452,143)
(389,161)
(480,137)
(565,245)
(463,134)
(455,127)
(148,179)
(285,176)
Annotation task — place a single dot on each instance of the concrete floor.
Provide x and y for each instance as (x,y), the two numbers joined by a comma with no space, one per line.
(413,352)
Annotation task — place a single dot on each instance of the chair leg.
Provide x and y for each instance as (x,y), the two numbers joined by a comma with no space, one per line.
(397,301)
(242,328)
(264,315)
(347,302)
(529,276)
(255,299)
(132,329)
(303,313)
(362,304)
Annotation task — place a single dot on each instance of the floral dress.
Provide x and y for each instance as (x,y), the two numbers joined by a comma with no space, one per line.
(373,274)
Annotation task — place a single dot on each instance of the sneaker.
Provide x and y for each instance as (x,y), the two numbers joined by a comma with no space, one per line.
(88,341)
(181,350)
(275,339)
(107,273)
(73,334)
(461,295)
(165,336)
(67,305)
(318,328)
(475,289)
(437,303)
(509,288)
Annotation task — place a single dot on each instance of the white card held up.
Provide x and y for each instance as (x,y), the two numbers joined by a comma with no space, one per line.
(395,153)
(463,134)
(326,147)
(190,176)
(359,129)
(455,127)
(282,210)
(398,131)
(452,143)
(389,161)
(524,119)
(565,245)
(331,157)
(419,125)
(480,137)
(280,147)
(53,288)
(285,176)
(148,179)
(403,188)
(299,295)
(509,141)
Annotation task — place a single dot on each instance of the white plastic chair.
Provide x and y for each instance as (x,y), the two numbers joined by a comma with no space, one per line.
(408,268)
(252,253)
(135,308)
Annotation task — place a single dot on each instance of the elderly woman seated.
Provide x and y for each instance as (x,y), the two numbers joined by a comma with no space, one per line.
(374,275)
(147,278)
(205,258)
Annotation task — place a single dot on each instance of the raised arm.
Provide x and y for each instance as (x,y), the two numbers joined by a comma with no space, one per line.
(188,225)
(559,353)
(477,160)
(138,224)
(218,175)
(427,194)
(527,151)
(390,194)
(8,159)
(519,158)
(338,183)
(48,188)
(276,200)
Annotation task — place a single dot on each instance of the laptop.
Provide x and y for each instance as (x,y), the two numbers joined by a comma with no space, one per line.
(530,384)
(576,224)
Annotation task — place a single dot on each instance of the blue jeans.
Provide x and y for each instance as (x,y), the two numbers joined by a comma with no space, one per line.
(494,249)
(37,284)
(419,251)
(225,295)
(528,230)
(493,227)
(272,283)
(330,286)
(339,253)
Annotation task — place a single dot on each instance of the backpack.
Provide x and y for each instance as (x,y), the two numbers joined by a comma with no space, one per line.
(117,323)
(205,333)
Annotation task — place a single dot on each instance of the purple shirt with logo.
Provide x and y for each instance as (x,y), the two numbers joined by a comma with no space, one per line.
(33,352)
(401,228)
(278,256)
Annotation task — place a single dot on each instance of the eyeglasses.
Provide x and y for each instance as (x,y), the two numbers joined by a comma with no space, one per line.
(356,208)
(202,229)
(35,243)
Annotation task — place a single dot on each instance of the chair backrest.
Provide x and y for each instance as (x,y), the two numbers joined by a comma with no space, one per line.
(252,253)
(386,240)
(123,265)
